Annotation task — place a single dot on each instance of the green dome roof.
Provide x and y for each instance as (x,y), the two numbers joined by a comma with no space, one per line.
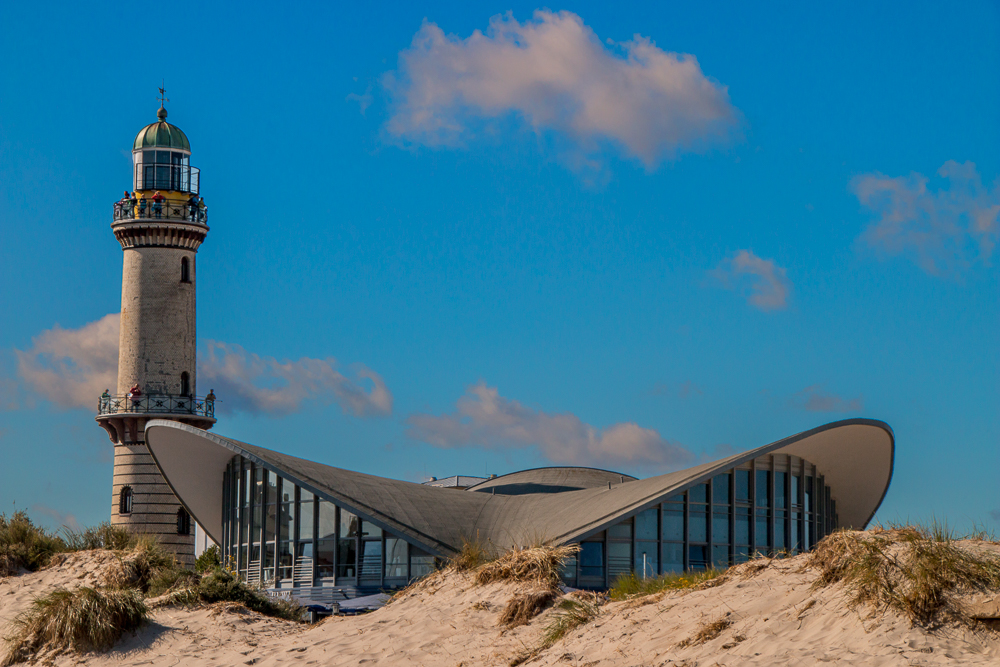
(161,134)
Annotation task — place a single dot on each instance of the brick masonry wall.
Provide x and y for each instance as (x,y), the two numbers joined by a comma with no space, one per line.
(158,339)
(154,506)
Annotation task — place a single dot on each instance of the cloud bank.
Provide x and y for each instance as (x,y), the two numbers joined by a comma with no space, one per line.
(71,367)
(248,382)
(483,418)
(814,399)
(554,74)
(945,230)
(761,281)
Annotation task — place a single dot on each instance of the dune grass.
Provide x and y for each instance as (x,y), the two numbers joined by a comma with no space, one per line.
(707,632)
(913,570)
(79,620)
(536,565)
(631,585)
(101,536)
(570,613)
(220,585)
(23,545)
(523,607)
(473,554)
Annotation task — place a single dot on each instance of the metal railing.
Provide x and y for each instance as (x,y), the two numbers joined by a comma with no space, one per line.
(147,209)
(156,404)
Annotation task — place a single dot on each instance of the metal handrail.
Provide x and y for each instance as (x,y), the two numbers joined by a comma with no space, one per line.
(157,404)
(137,209)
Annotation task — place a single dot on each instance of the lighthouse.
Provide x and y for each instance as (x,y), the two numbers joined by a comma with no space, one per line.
(160,224)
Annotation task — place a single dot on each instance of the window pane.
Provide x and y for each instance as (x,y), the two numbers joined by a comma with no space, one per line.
(720,556)
(698,494)
(645,525)
(306,509)
(348,524)
(324,556)
(369,529)
(646,558)
(743,486)
(567,571)
(763,480)
(395,558)
(421,563)
(720,528)
(619,559)
(673,557)
(285,522)
(327,520)
(760,531)
(698,557)
(305,550)
(720,489)
(808,494)
(780,480)
(741,554)
(779,531)
(679,498)
(698,527)
(673,525)
(269,553)
(347,556)
(258,486)
(371,560)
(794,542)
(796,485)
(347,551)
(285,560)
(592,559)
(742,529)
(621,531)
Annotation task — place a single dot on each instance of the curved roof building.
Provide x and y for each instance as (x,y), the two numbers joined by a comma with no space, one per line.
(326,533)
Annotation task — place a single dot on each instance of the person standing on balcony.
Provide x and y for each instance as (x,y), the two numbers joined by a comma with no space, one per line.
(201,209)
(158,203)
(210,402)
(105,401)
(142,206)
(134,395)
(193,208)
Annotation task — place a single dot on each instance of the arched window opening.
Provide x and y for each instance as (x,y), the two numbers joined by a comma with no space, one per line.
(183,522)
(185,270)
(125,500)
(185,384)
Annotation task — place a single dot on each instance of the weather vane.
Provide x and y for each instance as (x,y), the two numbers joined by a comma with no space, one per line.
(163,92)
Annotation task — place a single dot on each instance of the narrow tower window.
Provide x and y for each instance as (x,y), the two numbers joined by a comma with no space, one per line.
(185,270)
(125,500)
(183,522)
(185,384)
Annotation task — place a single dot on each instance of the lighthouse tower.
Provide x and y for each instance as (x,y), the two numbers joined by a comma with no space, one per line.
(160,227)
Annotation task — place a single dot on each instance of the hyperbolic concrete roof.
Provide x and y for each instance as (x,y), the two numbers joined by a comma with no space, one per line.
(855,456)
(550,480)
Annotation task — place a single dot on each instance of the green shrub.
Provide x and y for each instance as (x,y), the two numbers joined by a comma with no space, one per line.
(223,586)
(101,536)
(80,620)
(25,545)
(147,562)
(631,585)
(208,560)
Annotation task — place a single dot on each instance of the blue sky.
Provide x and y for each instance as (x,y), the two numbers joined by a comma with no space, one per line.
(436,252)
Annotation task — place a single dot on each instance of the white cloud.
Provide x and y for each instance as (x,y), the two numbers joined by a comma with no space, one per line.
(763,283)
(71,367)
(248,382)
(483,418)
(944,231)
(554,74)
(814,399)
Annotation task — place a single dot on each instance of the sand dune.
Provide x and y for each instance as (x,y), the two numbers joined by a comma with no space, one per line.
(775,617)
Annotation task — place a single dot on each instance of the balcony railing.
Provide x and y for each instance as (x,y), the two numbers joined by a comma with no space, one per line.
(161,404)
(165,210)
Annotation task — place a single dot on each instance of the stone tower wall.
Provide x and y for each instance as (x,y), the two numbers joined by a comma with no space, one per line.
(158,339)
(154,504)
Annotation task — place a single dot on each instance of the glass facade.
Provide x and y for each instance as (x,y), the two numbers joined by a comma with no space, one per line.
(285,537)
(773,504)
